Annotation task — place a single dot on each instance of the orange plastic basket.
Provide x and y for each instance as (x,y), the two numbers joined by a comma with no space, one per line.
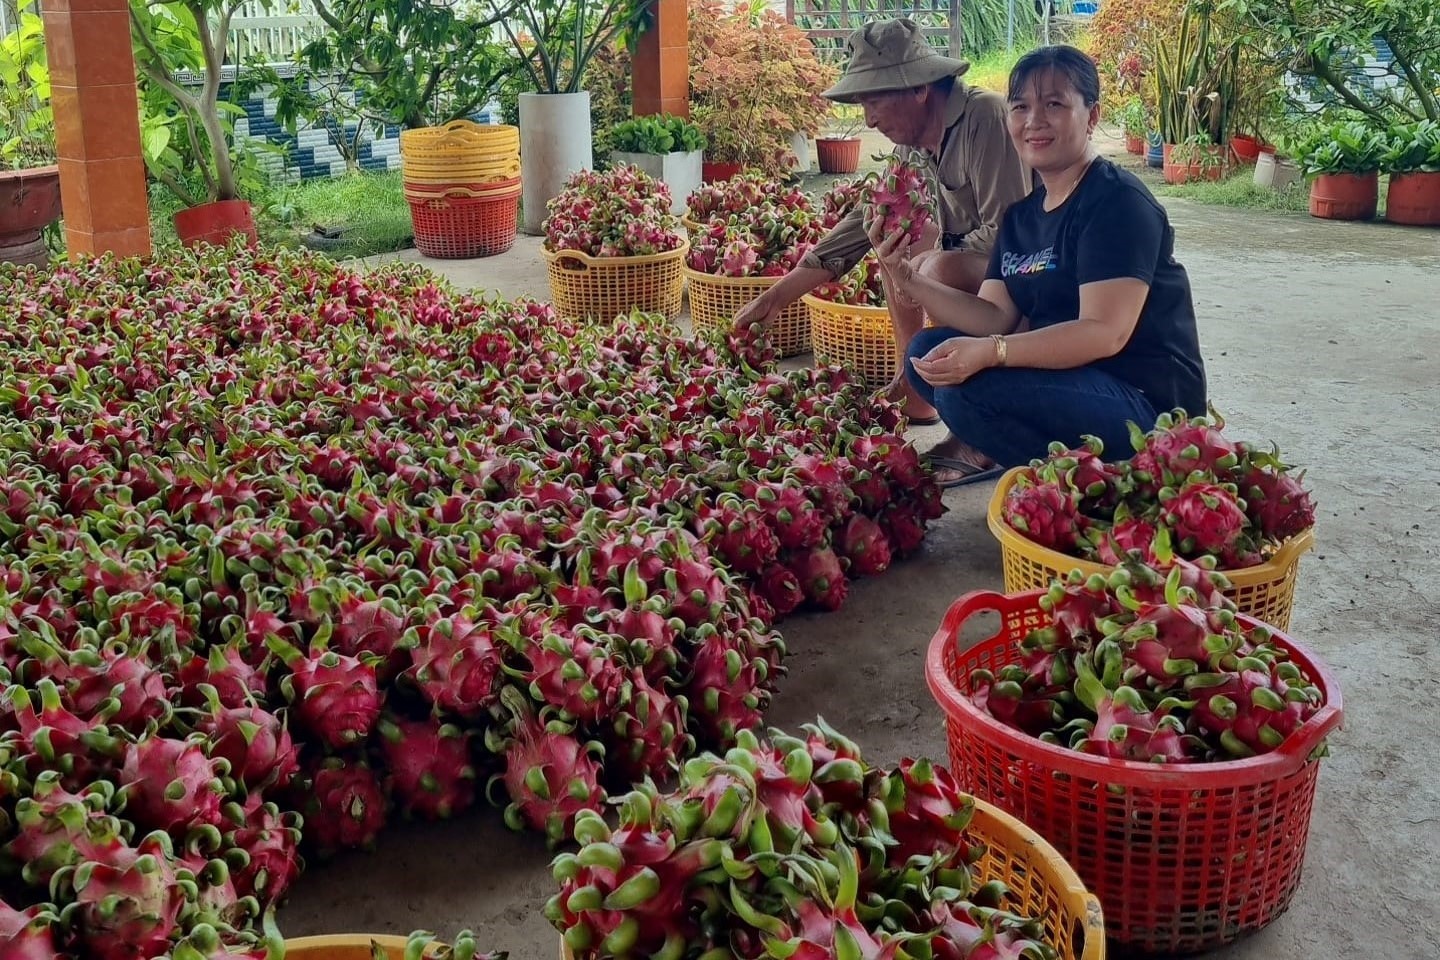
(345,946)
(1183,857)
(861,338)
(1042,884)
(714,301)
(1265,591)
(465,224)
(583,286)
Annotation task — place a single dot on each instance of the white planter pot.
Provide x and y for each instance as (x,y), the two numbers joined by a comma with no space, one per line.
(800,147)
(1273,173)
(554,143)
(679,171)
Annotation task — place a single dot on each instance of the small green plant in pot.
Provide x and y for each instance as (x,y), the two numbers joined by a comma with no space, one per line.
(668,148)
(838,148)
(1343,163)
(1134,119)
(1412,159)
(29,179)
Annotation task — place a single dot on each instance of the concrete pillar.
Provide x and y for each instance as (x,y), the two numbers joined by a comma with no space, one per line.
(661,79)
(97,126)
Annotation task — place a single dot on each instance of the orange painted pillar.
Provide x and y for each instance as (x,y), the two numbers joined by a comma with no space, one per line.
(661,79)
(97,126)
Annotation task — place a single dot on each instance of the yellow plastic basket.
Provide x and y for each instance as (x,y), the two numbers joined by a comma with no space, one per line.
(1041,884)
(582,286)
(714,301)
(347,946)
(861,338)
(1265,592)
(461,171)
(459,138)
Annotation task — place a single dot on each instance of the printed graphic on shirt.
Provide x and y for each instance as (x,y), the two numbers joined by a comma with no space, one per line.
(1018,264)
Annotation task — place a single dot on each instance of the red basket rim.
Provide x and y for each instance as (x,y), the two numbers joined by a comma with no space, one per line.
(1282,762)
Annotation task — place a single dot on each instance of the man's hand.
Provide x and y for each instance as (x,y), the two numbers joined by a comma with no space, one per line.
(760,310)
(956,360)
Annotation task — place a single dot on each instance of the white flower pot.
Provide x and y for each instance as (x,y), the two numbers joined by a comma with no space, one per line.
(1275,173)
(800,147)
(554,143)
(680,171)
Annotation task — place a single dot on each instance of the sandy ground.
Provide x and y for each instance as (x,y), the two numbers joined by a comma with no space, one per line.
(1323,337)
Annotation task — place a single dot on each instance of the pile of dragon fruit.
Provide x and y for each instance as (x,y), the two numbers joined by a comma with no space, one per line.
(287,549)
(621,212)
(1149,666)
(1188,491)
(756,226)
(788,847)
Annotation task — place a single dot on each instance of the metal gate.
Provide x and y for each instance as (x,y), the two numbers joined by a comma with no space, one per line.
(829,22)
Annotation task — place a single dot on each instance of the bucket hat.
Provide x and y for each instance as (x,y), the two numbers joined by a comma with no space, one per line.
(891,55)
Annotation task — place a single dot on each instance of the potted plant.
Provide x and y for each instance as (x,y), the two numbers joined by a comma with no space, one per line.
(190,148)
(1195,86)
(556,40)
(1194,159)
(1343,162)
(29,178)
(726,146)
(1412,159)
(839,147)
(1135,121)
(755,85)
(668,148)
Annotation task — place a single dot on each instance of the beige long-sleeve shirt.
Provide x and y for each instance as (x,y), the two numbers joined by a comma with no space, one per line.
(978,172)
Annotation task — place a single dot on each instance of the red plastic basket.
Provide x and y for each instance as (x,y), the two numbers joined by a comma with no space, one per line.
(458,226)
(1183,858)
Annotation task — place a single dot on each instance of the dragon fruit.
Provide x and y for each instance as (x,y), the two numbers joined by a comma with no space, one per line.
(1251,711)
(171,784)
(549,776)
(236,682)
(456,666)
(337,697)
(821,576)
(863,546)
(344,804)
(53,738)
(900,198)
(55,828)
(1046,514)
(431,773)
(738,258)
(904,526)
(254,741)
(1126,729)
(270,842)
(737,533)
(1277,502)
(927,811)
(797,522)
(725,692)
(572,673)
(28,934)
(1080,471)
(647,734)
(126,907)
(1206,518)
(1181,445)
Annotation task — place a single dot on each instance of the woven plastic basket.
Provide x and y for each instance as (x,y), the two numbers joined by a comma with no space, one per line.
(583,286)
(1184,857)
(1041,883)
(714,301)
(460,152)
(861,338)
(429,191)
(1265,592)
(465,224)
(347,946)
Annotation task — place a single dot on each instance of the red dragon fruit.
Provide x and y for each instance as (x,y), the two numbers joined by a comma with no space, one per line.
(1079,470)
(1046,514)
(28,934)
(270,842)
(781,589)
(863,545)
(55,828)
(928,812)
(904,527)
(899,197)
(549,776)
(1250,711)
(725,692)
(737,533)
(572,672)
(255,742)
(170,784)
(889,456)
(1131,536)
(53,738)
(647,734)
(1181,445)
(126,907)
(337,697)
(1206,518)
(345,806)
(821,576)
(117,679)
(236,682)
(795,519)
(456,666)
(1126,729)
(431,773)
(1277,503)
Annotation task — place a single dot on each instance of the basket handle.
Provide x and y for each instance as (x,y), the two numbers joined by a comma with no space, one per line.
(584,259)
(1292,548)
(967,606)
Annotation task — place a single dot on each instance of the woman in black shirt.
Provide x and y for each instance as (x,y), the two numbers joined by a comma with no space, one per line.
(1084,322)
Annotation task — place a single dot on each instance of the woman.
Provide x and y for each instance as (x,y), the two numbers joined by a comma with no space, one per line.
(1084,321)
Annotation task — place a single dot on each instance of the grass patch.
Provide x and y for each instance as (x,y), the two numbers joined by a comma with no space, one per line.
(991,71)
(1240,191)
(367,208)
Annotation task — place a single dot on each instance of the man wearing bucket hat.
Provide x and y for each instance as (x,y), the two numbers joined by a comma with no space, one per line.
(914,96)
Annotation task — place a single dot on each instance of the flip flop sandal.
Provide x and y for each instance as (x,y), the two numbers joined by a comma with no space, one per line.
(969,473)
(923,421)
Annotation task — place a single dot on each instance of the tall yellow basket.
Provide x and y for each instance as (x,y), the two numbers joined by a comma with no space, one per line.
(602,288)
(714,301)
(861,338)
(1042,884)
(460,151)
(1265,591)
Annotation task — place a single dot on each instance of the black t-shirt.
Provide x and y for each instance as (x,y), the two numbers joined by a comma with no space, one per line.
(1108,228)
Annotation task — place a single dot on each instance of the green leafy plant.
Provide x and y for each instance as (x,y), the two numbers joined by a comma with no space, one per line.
(1134,117)
(1349,146)
(657,134)
(1194,75)
(1412,148)
(27,124)
(1197,150)
(847,120)
(557,39)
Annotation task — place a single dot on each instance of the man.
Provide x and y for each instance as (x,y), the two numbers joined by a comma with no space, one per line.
(915,97)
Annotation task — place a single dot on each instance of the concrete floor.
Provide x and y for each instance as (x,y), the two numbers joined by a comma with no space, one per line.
(1323,337)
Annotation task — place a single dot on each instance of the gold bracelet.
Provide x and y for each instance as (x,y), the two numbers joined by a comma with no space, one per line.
(1000,348)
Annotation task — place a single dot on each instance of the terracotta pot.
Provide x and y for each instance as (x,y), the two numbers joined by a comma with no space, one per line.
(29,202)
(216,223)
(1345,196)
(1176,173)
(1413,199)
(714,172)
(838,155)
(1246,149)
(1135,145)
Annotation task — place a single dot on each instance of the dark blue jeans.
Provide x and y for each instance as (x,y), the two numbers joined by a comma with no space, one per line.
(1012,414)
